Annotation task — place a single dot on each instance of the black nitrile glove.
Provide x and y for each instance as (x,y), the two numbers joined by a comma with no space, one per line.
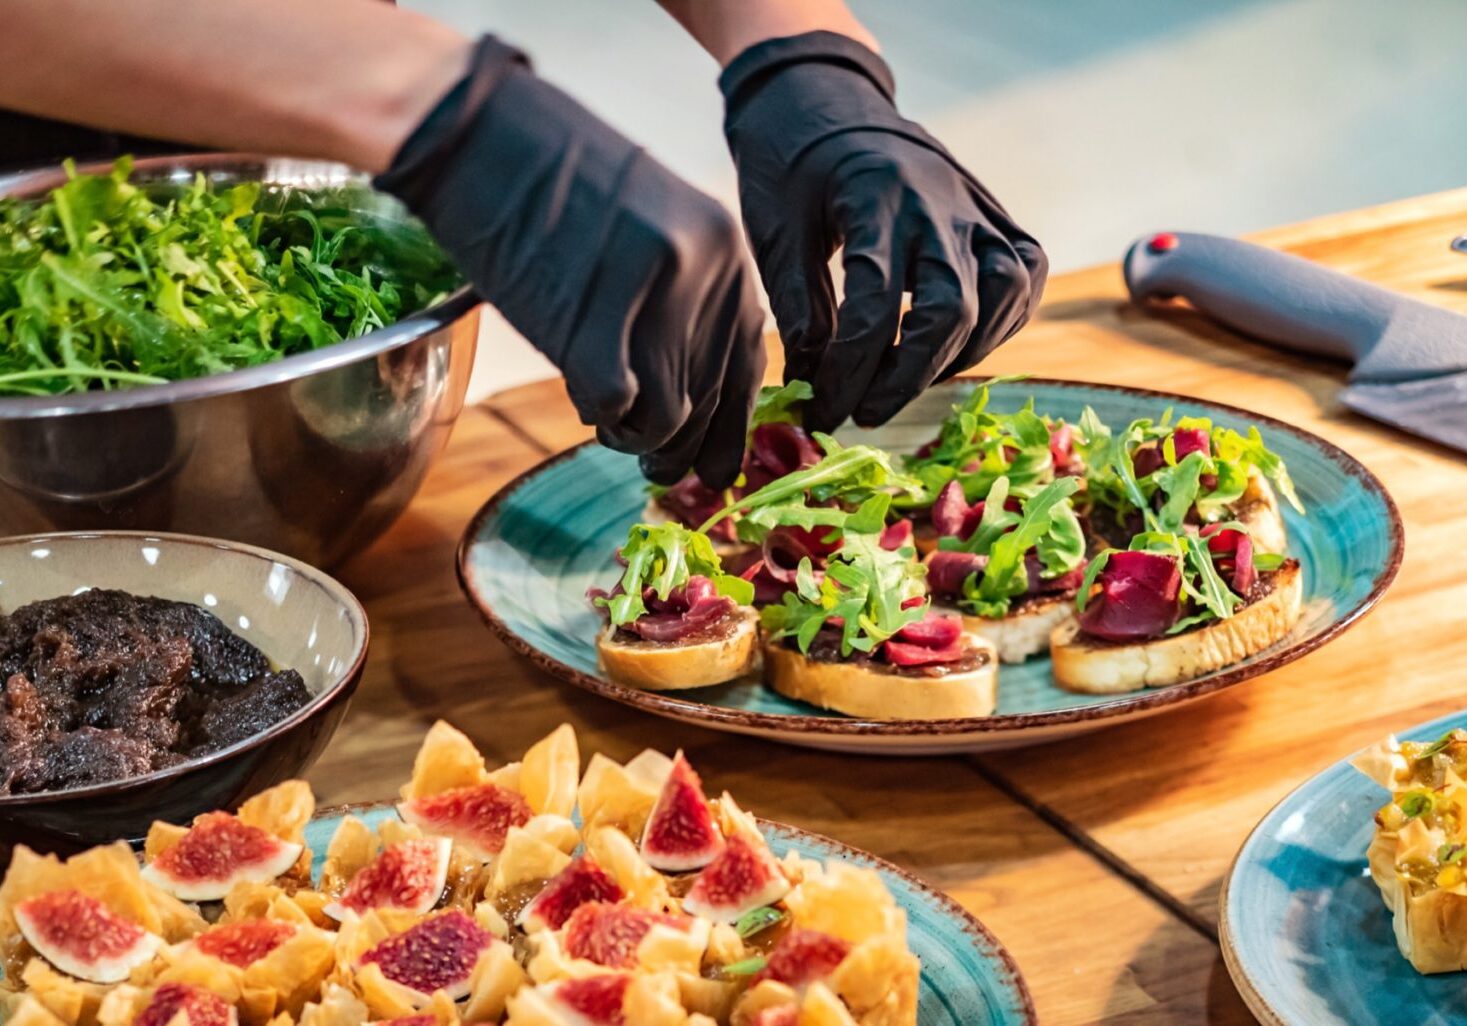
(631,281)
(825,160)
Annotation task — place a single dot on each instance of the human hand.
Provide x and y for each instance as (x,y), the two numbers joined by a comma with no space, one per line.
(825,160)
(631,281)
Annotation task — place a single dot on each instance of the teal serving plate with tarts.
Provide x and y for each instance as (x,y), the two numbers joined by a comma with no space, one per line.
(529,555)
(1304,932)
(968,978)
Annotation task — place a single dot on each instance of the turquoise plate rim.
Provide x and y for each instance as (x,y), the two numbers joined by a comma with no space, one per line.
(1128,705)
(1017,1008)
(1272,1005)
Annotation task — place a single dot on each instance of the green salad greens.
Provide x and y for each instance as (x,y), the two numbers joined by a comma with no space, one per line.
(845,477)
(1045,523)
(871,592)
(1208,482)
(662,557)
(975,447)
(106,284)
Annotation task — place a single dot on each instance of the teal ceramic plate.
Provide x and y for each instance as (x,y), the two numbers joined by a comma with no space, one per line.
(968,979)
(529,555)
(1304,932)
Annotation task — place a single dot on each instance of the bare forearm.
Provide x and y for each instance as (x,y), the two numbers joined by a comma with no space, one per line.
(725,28)
(339,79)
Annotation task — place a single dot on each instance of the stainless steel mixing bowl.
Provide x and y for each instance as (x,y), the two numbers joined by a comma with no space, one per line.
(314,455)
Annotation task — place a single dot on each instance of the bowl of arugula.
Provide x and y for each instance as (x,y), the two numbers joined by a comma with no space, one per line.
(256,348)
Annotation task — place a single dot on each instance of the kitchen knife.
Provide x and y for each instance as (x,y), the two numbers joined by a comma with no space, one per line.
(1410,357)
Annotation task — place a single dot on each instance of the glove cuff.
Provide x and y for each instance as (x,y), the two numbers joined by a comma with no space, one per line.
(418,164)
(755,66)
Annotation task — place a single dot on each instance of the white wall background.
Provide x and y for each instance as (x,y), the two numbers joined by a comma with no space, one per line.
(1093,121)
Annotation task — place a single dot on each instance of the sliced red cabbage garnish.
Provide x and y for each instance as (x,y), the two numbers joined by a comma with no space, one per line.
(1139,597)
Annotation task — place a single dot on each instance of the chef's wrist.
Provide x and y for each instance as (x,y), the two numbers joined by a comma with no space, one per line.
(395,92)
(726,28)
(759,64)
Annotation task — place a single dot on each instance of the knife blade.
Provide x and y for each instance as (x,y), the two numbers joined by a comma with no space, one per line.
(1410,357)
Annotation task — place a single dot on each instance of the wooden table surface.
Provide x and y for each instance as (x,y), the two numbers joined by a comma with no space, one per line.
(1097,860)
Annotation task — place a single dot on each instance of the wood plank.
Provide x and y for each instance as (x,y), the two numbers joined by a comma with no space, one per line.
(1180,792)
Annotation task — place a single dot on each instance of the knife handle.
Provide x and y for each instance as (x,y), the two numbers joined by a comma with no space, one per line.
(1272,296)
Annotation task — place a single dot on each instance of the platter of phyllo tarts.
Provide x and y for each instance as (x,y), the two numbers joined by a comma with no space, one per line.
(1348,902)
(1006,562)
(530,894)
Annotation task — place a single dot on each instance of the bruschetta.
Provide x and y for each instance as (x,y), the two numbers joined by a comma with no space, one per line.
(675,620)
(1179,607)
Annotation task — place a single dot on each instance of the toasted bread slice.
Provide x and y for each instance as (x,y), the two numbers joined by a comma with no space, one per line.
(1106,667)
(875,692)
(666,666)
(1024,632)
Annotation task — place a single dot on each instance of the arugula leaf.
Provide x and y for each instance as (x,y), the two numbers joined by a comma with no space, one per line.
(778,404)
(1005,576)
(850,474)
(1092,573)
(662,557)
(744,967)
(865,586)
(758,920)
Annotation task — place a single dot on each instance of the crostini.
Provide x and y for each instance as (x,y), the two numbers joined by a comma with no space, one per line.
(1191,472)
(861,638)
(675,620)
(1418,853)
(1174,607)
(1009,567)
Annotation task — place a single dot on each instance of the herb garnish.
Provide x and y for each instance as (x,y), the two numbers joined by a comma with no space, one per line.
(1416,803)
(758,920)
(662,557)
(1046,523)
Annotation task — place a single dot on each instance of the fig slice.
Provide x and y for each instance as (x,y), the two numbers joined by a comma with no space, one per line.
(408,875)
(596,1000)
(245,942)
(216,853)
(477,817)
(438,953)
(610,935)
(581,881)
(82,937)
(174,1003)
(743,877)
(803,956)
(681,833)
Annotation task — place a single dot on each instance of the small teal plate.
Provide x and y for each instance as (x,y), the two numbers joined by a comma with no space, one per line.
(529,555)
(968,979)
(1304,932)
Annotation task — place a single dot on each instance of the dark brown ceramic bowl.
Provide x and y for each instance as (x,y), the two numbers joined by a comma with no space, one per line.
(298,616)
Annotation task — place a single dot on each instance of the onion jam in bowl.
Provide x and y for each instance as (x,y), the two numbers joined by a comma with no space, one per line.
(157,676)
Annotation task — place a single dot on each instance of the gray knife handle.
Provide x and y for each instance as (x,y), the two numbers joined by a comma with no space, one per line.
(1261,292)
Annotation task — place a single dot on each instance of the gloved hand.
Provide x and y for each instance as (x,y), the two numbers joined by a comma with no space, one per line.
(824,159)
(631,281)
